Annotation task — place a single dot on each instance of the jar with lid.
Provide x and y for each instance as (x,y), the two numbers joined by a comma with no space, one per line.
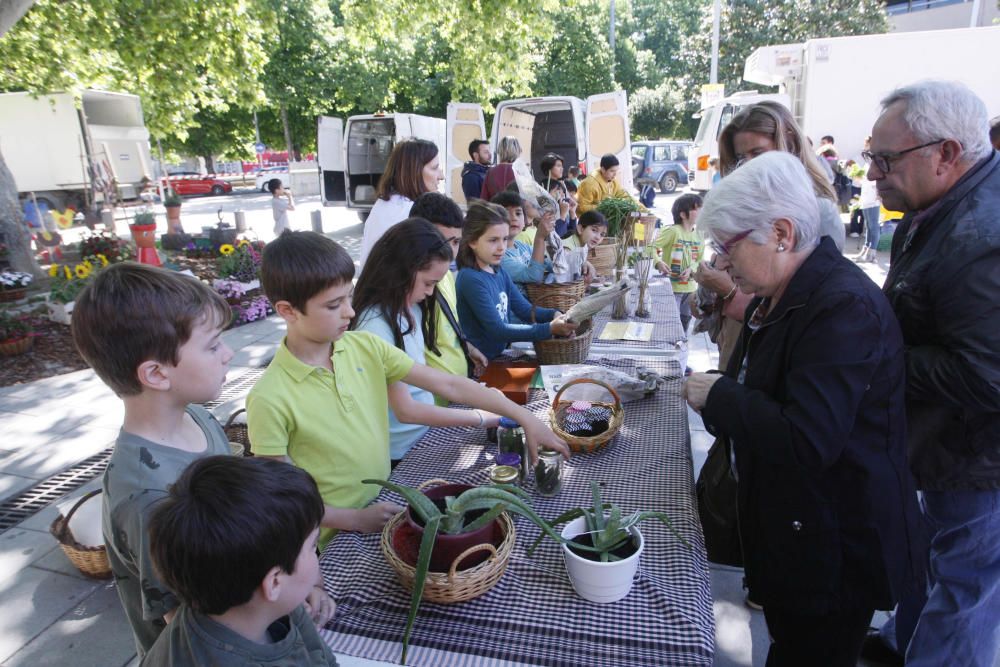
(548,472)
(510,439)
(511,460)
(501,474)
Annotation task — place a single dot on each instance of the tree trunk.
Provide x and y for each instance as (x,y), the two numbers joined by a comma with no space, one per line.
(11,11)
(15,232)
(288,133)
(209,164)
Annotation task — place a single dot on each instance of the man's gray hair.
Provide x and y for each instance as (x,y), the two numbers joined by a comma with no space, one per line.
(769,187)
(945,110)
(508,150)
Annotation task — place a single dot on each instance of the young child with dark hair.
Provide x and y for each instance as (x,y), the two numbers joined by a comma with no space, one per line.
(589,232)
(523,262)
(155,338)
(680,246)
(486,293)
(235,538)
(323,401)
(450,351)
(281,204)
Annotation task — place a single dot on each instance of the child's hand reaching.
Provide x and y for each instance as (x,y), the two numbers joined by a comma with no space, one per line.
(372,518)
(547,224)
(663,268)
(320,606)
(561,327)
(479,360)
(537,434)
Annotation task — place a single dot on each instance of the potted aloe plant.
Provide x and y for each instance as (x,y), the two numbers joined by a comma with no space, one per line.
(601,547)
(455,511)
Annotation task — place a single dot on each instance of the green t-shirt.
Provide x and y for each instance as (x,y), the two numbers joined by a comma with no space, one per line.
(681,251)
(138,475)
(452,359)
(195,640)
(334,425)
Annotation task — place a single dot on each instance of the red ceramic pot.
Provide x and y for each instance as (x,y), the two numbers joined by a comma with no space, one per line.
(448,547)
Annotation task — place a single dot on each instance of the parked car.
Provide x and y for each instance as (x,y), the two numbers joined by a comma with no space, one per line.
(192,183)
(662,164)
(262,176)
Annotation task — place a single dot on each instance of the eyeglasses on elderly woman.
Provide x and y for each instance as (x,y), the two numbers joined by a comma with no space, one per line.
(726,248)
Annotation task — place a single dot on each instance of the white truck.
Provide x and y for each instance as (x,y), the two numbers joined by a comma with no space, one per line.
(581,131)
(833,85)
(66,155)
(352,156)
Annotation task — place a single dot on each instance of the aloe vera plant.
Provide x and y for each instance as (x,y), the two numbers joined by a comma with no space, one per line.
(607,527)
(454,520)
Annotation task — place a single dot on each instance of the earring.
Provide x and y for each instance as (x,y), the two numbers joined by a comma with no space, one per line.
(781,247)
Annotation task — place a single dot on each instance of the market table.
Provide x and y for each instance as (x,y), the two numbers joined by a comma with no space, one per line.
(668,336)
(533,616)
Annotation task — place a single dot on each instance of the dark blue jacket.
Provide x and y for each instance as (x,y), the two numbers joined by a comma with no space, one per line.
(827,507)
(944,286)
(473,175)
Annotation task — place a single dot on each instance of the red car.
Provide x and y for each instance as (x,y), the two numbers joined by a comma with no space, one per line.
(193,183)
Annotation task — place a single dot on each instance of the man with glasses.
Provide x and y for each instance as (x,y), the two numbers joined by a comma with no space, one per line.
(931,158)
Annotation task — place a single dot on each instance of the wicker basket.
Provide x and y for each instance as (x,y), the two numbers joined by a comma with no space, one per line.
(580,444)
(12,348)
(561,296)
(454,585)
(564,350)
(238,434)
(603,257)
(91,561)
(11,295)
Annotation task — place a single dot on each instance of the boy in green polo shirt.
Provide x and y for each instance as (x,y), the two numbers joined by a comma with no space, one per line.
(323,402)
(681,248)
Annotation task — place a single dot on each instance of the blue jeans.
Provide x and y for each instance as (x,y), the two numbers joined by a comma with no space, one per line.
(871,225)
(960,623)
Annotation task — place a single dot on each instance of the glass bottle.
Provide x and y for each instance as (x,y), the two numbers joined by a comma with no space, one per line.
(548,472)
(510,439)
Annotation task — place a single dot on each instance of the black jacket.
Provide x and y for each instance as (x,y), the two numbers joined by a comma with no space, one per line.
(827,506)
(945,289)
(473,175)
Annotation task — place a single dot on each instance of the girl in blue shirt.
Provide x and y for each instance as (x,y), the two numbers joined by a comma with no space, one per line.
(486,293)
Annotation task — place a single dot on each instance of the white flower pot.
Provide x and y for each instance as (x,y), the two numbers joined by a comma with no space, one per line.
(597,581)
(61,312)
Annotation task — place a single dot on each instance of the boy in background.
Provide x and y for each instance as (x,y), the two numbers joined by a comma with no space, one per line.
(322,402)
(680,246)
(154,337)
(236,539)
(281,204)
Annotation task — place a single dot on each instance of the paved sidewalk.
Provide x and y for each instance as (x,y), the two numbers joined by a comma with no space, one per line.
(51,615)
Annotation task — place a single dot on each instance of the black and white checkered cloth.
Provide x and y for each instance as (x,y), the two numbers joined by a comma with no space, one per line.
(663,315)
(533,616)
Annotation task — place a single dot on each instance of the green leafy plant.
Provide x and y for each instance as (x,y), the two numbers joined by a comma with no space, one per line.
(455,520)
(144,218)
(617,211)
(607,526)
(171,198)
(13,327)
(94,245)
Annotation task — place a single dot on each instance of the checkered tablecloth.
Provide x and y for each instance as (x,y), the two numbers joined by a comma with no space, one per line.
(533,616)
(667,330)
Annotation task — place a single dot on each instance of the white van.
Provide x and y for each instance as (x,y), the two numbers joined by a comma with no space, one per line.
(352,158)
(706,141)
(581,131)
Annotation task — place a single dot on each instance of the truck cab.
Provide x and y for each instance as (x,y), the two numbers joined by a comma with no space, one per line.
(581,131)
(352,156)
(713,120)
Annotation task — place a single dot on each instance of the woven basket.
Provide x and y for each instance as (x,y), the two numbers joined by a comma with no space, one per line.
(454,585)
(603,257)
(12,348)
(564,350)
(561,296)
(91,561)
(10,295)
(238,434)
(580,444)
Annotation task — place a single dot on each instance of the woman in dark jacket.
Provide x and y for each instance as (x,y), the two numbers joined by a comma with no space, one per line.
(812,406)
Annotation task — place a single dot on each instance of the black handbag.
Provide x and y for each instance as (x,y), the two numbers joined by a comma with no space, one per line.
(716,489)
(462,340)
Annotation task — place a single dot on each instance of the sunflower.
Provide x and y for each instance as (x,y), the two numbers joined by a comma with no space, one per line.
(53,270)
(67,273)
(104,260)
(82,271)
(243,243)
(227,249)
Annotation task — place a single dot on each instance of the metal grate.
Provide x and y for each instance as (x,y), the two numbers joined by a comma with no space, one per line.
(31,501)
(15,510)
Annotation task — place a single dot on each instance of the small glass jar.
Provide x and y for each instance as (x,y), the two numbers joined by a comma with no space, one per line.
(504,475)
(548,472)
(510,439)
(512,460)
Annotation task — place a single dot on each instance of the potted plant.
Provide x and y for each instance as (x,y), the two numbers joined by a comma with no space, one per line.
(14,285)
(451,518)
(66,284)
(15,334)
(103,247)
(143,230)
(601,547)
(172,202)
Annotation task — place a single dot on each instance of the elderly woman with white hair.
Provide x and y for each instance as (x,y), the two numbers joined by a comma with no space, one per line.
(811,408)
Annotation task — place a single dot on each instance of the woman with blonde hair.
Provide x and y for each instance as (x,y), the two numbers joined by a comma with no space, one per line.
(501,174)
